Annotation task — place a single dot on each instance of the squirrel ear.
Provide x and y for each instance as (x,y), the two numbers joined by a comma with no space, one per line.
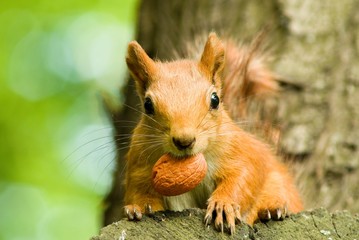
(213,57)
(141,66)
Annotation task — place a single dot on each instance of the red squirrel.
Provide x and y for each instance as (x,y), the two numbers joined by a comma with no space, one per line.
(183,115)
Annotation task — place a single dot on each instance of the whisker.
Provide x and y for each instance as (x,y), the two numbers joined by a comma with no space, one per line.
(81,159)
(83,145)
(156,147)
(121,137)
(146,142)
(146,115)
(213,126)
(112,151)
(142,125)
(200,123)
(97,130)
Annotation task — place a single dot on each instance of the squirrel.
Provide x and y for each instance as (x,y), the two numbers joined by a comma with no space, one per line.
(184,113)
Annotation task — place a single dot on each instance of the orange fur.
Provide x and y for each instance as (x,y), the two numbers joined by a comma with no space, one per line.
(244,180)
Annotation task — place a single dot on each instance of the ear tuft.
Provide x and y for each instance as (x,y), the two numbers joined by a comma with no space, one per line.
(213,57)
(142,68)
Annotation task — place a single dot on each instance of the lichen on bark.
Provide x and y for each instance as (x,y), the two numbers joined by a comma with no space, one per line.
(316,224)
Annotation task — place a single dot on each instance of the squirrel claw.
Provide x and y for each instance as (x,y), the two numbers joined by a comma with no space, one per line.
(148,209)
(209,213)
(264,215)
(274,214)
(133,212)
(221,209)
(207,219)
(277,214)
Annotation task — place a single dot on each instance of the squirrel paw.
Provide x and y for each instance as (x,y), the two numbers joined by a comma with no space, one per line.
(230,211)
(133,212)
(273,213)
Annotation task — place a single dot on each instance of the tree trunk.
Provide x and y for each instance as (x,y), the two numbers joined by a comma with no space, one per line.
(316,51)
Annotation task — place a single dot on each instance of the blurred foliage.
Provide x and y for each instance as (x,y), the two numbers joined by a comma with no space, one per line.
(56,150)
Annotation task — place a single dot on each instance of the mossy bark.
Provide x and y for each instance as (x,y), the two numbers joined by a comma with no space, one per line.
(315,45)
(316,224)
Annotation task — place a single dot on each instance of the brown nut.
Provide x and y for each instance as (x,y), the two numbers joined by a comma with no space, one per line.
(173,176)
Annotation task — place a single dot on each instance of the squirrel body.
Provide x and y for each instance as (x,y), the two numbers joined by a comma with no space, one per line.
(184,115)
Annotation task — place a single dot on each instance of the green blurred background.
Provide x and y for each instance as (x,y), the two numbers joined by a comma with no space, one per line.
(56,150)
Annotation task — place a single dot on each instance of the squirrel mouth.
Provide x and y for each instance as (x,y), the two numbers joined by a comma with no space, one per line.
(183,152)
(182,155)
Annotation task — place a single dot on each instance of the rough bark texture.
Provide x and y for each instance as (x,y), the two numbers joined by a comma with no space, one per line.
(317,224)
(316,50)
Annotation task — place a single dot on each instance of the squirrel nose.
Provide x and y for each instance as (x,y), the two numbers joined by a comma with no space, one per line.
(184,143)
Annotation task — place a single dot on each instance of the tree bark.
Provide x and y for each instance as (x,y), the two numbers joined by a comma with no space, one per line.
(316,224)
(315,45)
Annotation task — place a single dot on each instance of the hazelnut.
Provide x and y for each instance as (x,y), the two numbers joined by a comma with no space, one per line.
(173,176)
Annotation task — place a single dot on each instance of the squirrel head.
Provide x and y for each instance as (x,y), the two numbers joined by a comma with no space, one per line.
(181,99)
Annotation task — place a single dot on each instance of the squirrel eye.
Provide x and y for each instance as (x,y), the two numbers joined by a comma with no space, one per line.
(214,101)
(148,105)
